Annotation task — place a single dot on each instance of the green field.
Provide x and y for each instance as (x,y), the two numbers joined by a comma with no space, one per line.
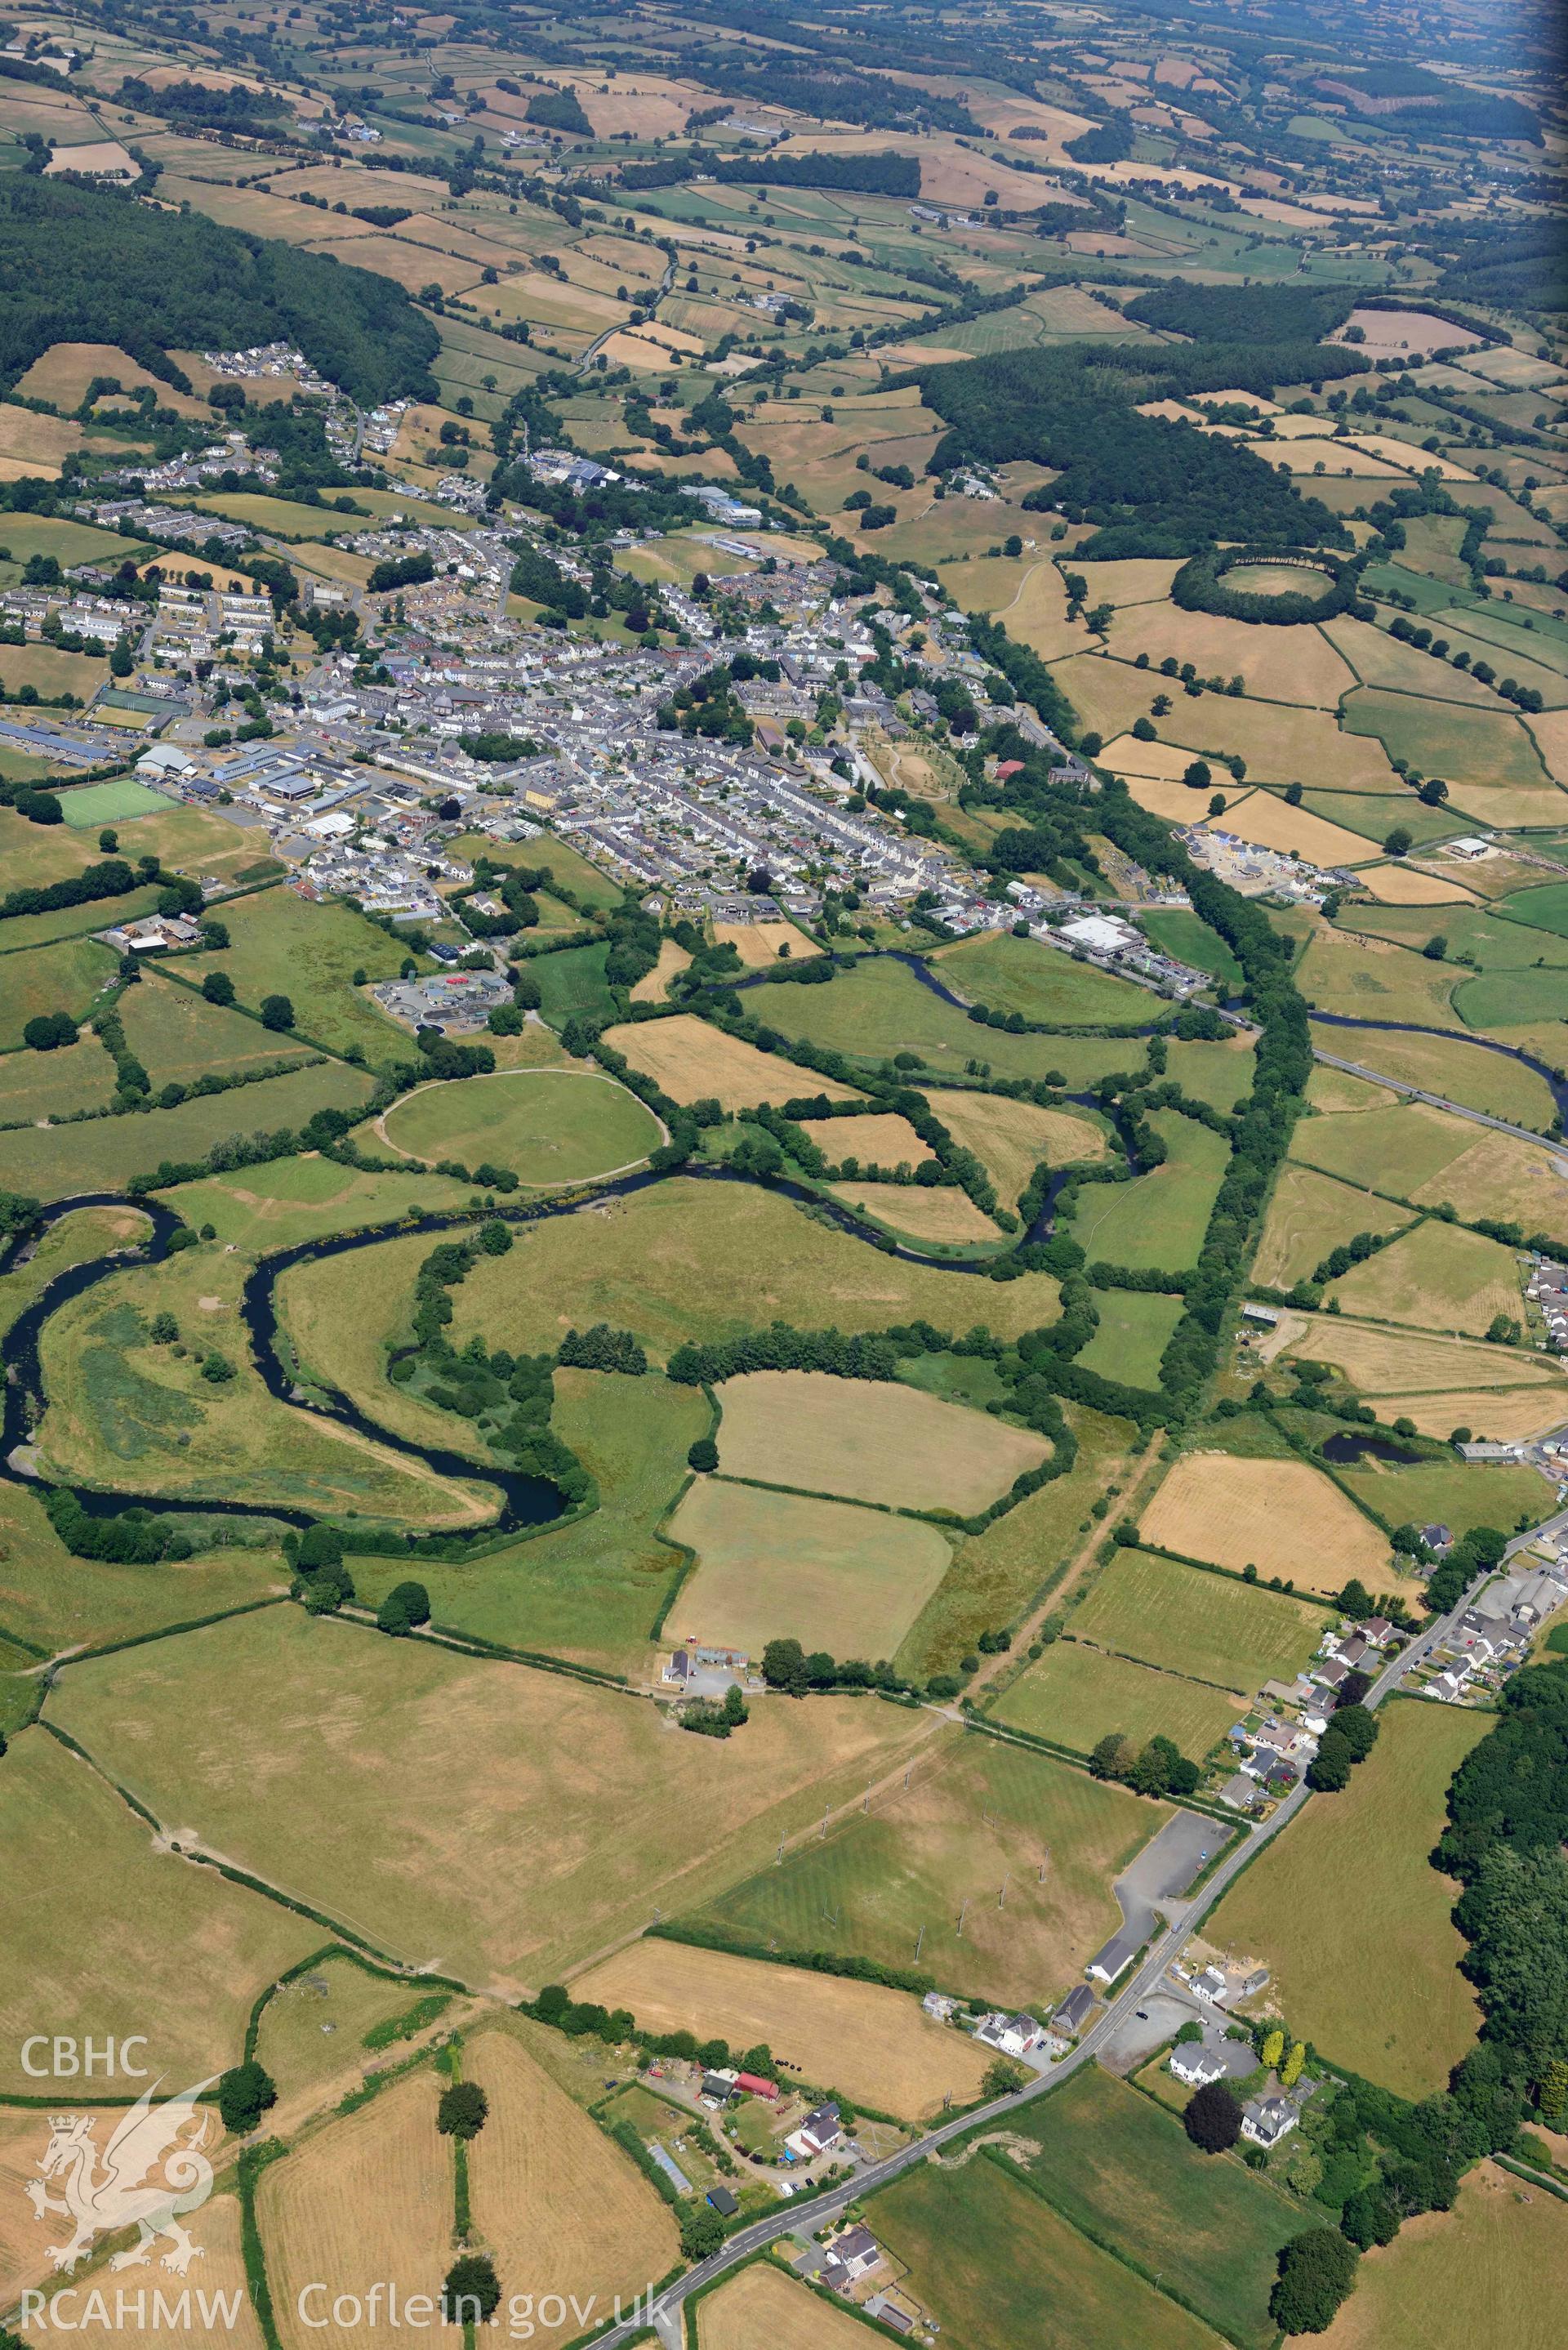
(57,1601)
(177,1034)
(1135,1326)
(111,803)
(995,1575)
(590,1590)
(135,1416)
(64,977)
(1545,908)
(879,1007)
(1077,1695)
(1157,1220)
(1457,1494)
(54,1084)
(1469,748)
(977,1813)
(549,1126)
(571,985)
(283,944)
(1119,2168)
(1179,932)
(1212,1626)
(1501,999)
(1471,1075)
(101,1153)
(271,1207)
(1365,1954)
(1219,1075)
(998,2268)
(1043,982)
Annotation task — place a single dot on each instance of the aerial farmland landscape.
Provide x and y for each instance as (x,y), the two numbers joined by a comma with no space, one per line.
(783,960)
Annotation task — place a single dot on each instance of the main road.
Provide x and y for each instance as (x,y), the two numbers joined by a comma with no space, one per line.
(1182,1920)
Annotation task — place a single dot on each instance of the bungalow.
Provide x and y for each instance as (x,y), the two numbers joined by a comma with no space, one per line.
(1075,2009)
(1197,2065)
(1449,1685)
(1331,1675)
(1438,1537)
(679,1669)
(1267,2119)
(819,2131)
(1014,2035)
(1115,1957)
(1377,1630)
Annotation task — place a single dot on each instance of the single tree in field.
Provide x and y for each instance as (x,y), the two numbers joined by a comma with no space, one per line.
(1317,2270)
(406,1604)
(1213,2118)
(276,1011)
(463,2110)
(472,2293)
(703,1454)
(243,2095)
(218,987)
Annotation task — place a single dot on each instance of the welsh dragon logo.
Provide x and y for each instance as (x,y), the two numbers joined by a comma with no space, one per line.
(151,2170)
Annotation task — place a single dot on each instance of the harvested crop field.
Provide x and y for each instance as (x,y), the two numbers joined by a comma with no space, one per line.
(139,1941)
(1077,1695)
(504,1820)
(942,1214)
(1309,1215)
(759,943)
(879,1140)
(690,1060)
(1011,1137)
(1252,1512)
(874,2045)
(979,1814)
(1209,1626)
(367,2202)
(762,2309)
(1384,1362)
(558,2206)
(1497,1415)
(1495,2267)
(1366,1959)
(870,1440)
(782,1565)
(1439,1277)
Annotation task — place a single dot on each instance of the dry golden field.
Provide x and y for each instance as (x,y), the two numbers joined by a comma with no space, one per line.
(1284,664)
(1411,885)
(762,2309)
(1382,1362)
(1011,1137)
(758,943)
(1439,1277)
(874,2045)
(369,2201)
(1252,1512)
(870,1440)
(557,2205)
(1493,2269)
(787,1567)
(498,1819)
(691,1060)
(1309,1215)
(219,2273)
(1501,1415)
(943,1213)
(879,1140)
(652,986)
